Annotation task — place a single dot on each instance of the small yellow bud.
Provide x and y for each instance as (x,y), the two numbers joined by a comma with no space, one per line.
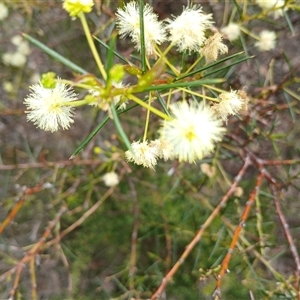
(48,80)
(97,150)
(75,7)
(117,73)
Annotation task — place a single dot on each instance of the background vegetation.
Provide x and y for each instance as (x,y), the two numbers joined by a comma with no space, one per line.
(65,235)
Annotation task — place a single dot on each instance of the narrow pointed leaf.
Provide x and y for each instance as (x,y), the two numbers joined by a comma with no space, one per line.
(54,54)
(119,127)
(142,36)
(89,137)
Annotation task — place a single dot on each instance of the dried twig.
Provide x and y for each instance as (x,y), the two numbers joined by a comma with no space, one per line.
(31,253)
(33,278)
(199,234)
(134,235)
(79,221)
(225,263)
(251,248)
(19,204)
(287,233)
(47,164)
(276,188)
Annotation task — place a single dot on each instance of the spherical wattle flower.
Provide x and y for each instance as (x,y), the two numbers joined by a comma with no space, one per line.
(192,132)
(187,31)
(273,7)
(230,103)
(213,46)
(128,24)
(75,7)
(232,31)
(142,154)
(48,108)
(111,179)
(162,149)
(3,11)
(267,40)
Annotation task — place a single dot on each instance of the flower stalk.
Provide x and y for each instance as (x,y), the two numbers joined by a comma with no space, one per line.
(92,45)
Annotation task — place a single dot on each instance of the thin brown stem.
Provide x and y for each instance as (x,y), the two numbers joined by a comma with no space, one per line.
(19,204)
(48,164)
(33,278)
(32,252)
(78,222)
(251,248)
(134,235)
(18,269)
(199,234)
(287,233)
(276,188)
(245,214)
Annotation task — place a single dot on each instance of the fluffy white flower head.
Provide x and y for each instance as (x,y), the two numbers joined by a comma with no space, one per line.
(3,11)
(8,86)
(232,31)
(15,59)
(163,149)
(213,46)
(187,31)
(23,48)
(45,106)
(16,40)
(275,7)
(75,7)
(268,4)
(110,179)
(21,44)
(267,40)
(192,132)
(230,104)
(142,154)
(128,24)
